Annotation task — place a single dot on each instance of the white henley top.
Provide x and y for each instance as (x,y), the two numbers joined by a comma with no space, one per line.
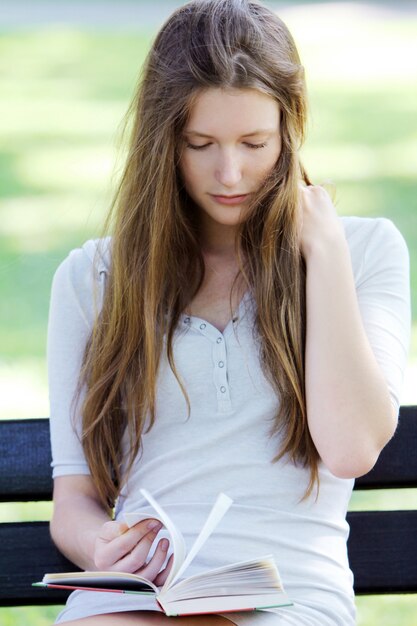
(224,445)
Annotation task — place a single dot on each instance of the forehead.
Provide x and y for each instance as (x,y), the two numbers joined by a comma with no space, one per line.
(238,111)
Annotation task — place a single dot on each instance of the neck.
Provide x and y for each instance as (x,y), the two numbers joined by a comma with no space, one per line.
(218,240)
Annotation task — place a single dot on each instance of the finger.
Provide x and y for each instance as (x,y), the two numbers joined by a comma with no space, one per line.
(137,539)
(117,548)
(162,576)
(153,567)
(138,560)
(137,557)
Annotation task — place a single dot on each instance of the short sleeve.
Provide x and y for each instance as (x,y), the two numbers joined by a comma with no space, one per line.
(380,256)
(76,298)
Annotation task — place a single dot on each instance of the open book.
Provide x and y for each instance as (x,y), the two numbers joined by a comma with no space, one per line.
(248,585)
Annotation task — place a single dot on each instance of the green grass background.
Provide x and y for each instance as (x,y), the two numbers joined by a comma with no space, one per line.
(64,91)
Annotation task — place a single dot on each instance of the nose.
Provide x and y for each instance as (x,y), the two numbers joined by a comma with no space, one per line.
(228,169)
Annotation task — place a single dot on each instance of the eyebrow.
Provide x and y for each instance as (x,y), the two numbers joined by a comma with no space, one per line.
(258,131)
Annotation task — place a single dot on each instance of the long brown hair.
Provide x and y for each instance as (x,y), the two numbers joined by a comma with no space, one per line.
(204,44)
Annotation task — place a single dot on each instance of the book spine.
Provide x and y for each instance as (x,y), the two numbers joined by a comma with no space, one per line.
(73,587)
(213,612)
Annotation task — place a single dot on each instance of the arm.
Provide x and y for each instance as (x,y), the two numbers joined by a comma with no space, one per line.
(76,520)
(350,413)
(86,535)
(80,526)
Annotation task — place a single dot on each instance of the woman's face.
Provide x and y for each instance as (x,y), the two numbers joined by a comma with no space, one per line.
(230,144)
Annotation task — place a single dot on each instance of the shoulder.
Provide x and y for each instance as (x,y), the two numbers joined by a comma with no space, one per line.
(374,243)
(90,262)
(79,282)
(94,254)
(361,230)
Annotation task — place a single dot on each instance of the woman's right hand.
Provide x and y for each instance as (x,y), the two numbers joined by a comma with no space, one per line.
(123,549)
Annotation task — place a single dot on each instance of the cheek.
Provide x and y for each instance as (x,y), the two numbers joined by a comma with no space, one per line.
(269,162)
(262,170)
(190,173)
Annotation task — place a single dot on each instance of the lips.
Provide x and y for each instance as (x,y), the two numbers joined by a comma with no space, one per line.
(222,195)
(230,200)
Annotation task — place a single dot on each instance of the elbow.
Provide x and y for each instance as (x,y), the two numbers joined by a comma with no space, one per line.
(354,463)
(357,457)
(352,467)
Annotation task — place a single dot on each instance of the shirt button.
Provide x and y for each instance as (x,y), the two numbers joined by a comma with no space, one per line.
(223,389)
(202,326)
(219,340)
(221,364)
(187,320)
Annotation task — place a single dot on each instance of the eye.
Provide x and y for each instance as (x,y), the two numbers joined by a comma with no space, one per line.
(253,146)
(194,147)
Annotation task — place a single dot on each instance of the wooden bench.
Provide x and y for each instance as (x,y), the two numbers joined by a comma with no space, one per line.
(382,544)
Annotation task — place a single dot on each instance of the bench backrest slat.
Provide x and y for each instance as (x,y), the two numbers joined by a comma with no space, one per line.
(397,463)
(25,457)
(27,554)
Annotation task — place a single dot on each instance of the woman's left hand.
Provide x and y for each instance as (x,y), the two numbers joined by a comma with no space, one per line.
(318,221)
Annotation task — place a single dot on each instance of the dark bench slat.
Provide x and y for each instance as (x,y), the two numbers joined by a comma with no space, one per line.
(25,457)
(27,554)
(397,463)
(382,550)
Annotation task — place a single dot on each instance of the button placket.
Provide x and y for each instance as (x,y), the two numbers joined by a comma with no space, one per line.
(219,358)
(220,374)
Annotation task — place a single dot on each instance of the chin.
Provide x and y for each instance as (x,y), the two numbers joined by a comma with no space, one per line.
(233,217)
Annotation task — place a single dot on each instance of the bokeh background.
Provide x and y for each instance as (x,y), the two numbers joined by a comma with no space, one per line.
(67,73)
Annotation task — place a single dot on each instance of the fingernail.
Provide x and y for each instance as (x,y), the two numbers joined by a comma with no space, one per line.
(164,545)
(154,525)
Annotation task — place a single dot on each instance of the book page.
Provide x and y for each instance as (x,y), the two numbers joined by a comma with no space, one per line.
(245,577)
(122,581)
(226,604)
(178,543)
(220,507)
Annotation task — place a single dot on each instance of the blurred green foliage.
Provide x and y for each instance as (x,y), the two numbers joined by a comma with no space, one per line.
(64,94)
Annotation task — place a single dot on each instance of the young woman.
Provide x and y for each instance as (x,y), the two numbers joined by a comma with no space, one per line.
(232,335)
